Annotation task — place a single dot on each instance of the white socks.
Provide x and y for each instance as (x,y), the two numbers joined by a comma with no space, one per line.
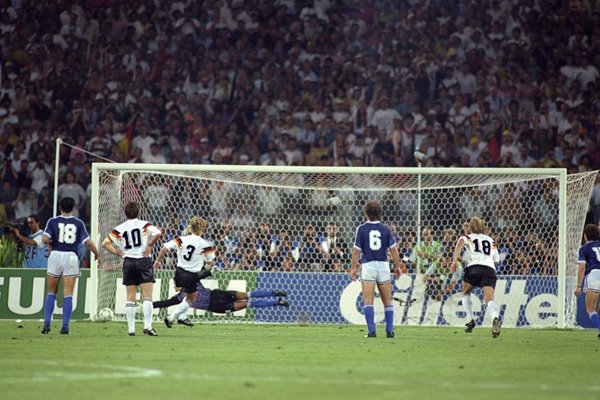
(468,306)
(493,306)
(130,315)
(179,310)
(147,311)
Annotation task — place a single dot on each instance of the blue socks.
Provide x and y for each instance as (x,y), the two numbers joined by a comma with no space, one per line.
(389,318)
(370,317)
(262,303)
(67,311)
(49,308)
(595,319)
(260,293)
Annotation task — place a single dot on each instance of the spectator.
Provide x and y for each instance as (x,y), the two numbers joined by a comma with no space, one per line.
(427,253)
(100,143)
(523,159)
(135,68)
(154,156)
(40,173)
(333,249)
(24,204)
(71,188)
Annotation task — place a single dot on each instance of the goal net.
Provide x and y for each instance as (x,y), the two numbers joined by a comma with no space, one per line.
(292,228)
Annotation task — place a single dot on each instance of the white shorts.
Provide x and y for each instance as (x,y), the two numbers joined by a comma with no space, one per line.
(375,271)
(592,281)
(63,263)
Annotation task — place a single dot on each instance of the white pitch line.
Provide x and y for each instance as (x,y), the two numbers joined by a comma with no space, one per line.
(68,371)
(121,372)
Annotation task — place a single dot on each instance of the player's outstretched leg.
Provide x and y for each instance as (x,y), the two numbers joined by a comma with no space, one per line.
(496,328)
(173,301)
(255,294)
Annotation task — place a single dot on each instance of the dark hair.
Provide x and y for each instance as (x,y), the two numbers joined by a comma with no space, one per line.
(67,204)
(591,232)
(132,210)
(373,210)
(35,218)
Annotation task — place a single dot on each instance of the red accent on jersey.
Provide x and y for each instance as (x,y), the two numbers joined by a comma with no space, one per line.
(145,228)
(208,250)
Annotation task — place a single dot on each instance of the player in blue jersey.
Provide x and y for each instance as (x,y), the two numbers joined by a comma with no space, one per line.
(588,273)
(370,257)
(36,252)
(64,233)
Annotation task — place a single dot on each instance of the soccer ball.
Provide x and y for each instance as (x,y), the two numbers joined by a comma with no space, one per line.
(106,314)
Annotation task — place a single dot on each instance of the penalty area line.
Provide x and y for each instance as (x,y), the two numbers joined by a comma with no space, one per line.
(69,371)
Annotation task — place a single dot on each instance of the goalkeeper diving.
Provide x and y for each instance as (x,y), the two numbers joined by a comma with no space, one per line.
(195,257)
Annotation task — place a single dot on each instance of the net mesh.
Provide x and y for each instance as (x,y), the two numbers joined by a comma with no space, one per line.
(295,228)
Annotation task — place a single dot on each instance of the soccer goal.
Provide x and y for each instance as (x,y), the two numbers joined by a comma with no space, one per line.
(292,228)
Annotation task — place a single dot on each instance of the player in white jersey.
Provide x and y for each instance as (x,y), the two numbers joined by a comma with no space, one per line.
(480,257)
(193,254)
(133,241)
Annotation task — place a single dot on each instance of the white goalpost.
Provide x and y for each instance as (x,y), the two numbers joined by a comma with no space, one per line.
(292,228)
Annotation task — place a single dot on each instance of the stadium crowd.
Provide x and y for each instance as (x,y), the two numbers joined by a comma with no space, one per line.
(292,82)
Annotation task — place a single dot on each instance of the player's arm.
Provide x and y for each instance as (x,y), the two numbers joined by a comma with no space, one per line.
(355,266)
(495,253)
(46,239)
(108,245)
(460,243)
(89,243)
(159,257)
(207,270)
(22,237)
(580,274)
(399,267)
(157,234)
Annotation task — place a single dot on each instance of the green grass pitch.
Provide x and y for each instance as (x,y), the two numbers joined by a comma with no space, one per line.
(225,361)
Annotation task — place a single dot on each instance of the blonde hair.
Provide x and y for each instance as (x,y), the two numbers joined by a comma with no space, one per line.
(197,225)
(477,225)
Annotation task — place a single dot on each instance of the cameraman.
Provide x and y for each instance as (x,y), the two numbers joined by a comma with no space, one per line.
(36,252)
